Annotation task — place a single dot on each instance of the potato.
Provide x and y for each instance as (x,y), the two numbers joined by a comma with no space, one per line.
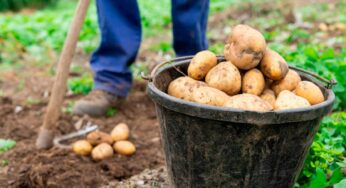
(248,102)
(102,151)
(289,82)
(245,47)
(182,87)
(253,82)
(209,95)
(120,132)
(225,77)
(82,147)
(288,100)
(310,92)
(201,63)
(273,66)
(124,147)
(269,96)
(98,137)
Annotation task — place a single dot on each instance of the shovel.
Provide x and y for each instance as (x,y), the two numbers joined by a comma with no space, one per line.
(46,132)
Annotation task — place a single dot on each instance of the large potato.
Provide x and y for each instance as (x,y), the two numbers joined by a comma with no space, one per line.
(245,47)
(98,137)
(120,132)
(124,147)
(310,92)
(82,147)
(253,82)
(182,87)
(248,102)
(273,65)
(288,100)
(209,95)
(102,151)
(225,77)
(201,63)
(289,82)
(269,96)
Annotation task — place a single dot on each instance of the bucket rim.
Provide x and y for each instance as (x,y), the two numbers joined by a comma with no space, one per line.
(239,115)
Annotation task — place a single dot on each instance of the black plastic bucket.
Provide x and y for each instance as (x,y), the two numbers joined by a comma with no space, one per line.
(207,146)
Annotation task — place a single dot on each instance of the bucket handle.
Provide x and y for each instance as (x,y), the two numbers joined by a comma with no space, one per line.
(329,83)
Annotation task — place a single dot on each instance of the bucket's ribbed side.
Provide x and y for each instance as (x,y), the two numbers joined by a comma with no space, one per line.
(208,153)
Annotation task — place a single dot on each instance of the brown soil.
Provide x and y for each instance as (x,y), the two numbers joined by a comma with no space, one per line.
(29,167)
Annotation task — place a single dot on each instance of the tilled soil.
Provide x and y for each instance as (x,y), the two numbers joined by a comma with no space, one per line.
(56,167)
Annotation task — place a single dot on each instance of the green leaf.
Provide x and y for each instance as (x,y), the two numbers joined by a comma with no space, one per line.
(336,177)
(319,180)
(341,184)
(6,145)
(111,112)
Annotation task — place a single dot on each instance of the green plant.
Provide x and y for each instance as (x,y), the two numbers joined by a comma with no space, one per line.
(31,101)
(15,5)
(68,108)
(111,112)
(4,162)
(327,154)
(6,145)
(81,85)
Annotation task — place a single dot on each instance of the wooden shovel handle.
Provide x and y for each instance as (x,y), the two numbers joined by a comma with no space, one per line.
(46,134)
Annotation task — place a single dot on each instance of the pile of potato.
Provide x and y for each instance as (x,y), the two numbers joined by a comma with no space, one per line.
(253,78)
(100,144)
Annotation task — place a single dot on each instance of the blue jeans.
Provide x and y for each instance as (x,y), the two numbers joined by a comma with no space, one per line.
(120,26)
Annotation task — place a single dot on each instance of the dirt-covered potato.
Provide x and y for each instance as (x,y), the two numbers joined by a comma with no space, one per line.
(182,87)
(288,100)
(310,92)
(273,66)
(120,132)
(248,102)
(245,47)
(269,96)
(209,95)
(289,82)
(98,137)
(82,147)
(253,82)
(225,77)
(102,151)
(124,147)
(201,63)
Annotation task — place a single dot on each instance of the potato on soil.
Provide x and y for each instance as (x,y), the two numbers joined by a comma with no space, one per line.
(269,96)
(253,82)
(201,63)
(124,147)
(98,137)
(82,147)
(102,151)
(273,65)
(288,100)
(245,47)
(225,77)
(289,82)
(209,95)
(182,87)
(120,132)
(248,102)
(310,92)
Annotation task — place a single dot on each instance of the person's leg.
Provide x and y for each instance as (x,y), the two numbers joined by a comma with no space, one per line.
(190,19)
(120,27)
